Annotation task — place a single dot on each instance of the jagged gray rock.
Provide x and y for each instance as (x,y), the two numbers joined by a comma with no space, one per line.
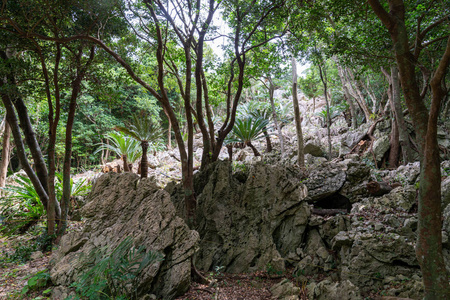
(327,290)
(445,190)
(285,290)
(248,223)
(325,181)
(123,206)
(313,149)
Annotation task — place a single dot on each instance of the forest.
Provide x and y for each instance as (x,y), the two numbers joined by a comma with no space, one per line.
(279,131)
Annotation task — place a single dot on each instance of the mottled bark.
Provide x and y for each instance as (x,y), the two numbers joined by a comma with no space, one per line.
(347,96)
(126,168)
(323,78)
(298,120)
(53,207)
(76,88)
(6,151)
(20,148)
(255,151)
(268,141)
(395,146)
(401,124)
(356,94)
(274,115)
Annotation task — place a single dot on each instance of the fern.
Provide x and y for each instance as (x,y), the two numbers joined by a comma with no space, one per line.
(114,275)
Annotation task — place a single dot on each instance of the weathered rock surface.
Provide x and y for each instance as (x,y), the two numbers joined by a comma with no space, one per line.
(285,290)
(249,223)
(123,206)
(327,290)
(325,181)
(313,149)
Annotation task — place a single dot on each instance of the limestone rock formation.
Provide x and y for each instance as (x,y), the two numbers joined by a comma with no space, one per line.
(250,223)
(313,149)
(324,181)
(123,206)
(327,290)
(285,290)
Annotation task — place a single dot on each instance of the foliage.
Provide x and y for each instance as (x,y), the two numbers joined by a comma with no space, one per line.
(21,204)
(271,270)
(37,281)
(334,112)
(248,129)
(114,275)
(21,254)
(143,130)
(122,145)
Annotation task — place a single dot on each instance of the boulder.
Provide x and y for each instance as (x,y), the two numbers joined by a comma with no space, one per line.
(285,290)
(123,206)
(380,147)
(367,256)
(324,181)
(248,223)
(328,290)
(313,149)
(352,137)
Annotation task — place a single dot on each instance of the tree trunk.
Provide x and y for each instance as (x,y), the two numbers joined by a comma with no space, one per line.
(20,148)
(274,115)
(393,140)
(347,96)
(429,243)
(76,88)
(298,121)
(395,146)
(323,77)
(144,159)
(65,201)
(106,157)
(401,124)
(255,151)
(30,138)
(268,141)
(53,208)
(126,168)
(6,149)
(25,124)
(230,151)
(357,95)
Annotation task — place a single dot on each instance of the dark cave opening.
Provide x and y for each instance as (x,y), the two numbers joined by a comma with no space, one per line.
(335,201)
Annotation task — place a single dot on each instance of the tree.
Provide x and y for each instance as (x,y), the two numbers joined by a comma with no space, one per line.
(125,147)
(145,132)
(298,120)
(6,149)
(323,77)
(247,130)
(28,21)
(429,244)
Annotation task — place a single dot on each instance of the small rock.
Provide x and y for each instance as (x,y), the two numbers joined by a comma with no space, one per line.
(285,290)
(36,255)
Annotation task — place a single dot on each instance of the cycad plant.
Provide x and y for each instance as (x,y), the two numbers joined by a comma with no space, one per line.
(265,114)
(249,129)
(124,146)
(21,204)
(145,132)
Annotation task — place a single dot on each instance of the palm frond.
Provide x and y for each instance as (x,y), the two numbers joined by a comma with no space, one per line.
(122,145)
(249,129)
